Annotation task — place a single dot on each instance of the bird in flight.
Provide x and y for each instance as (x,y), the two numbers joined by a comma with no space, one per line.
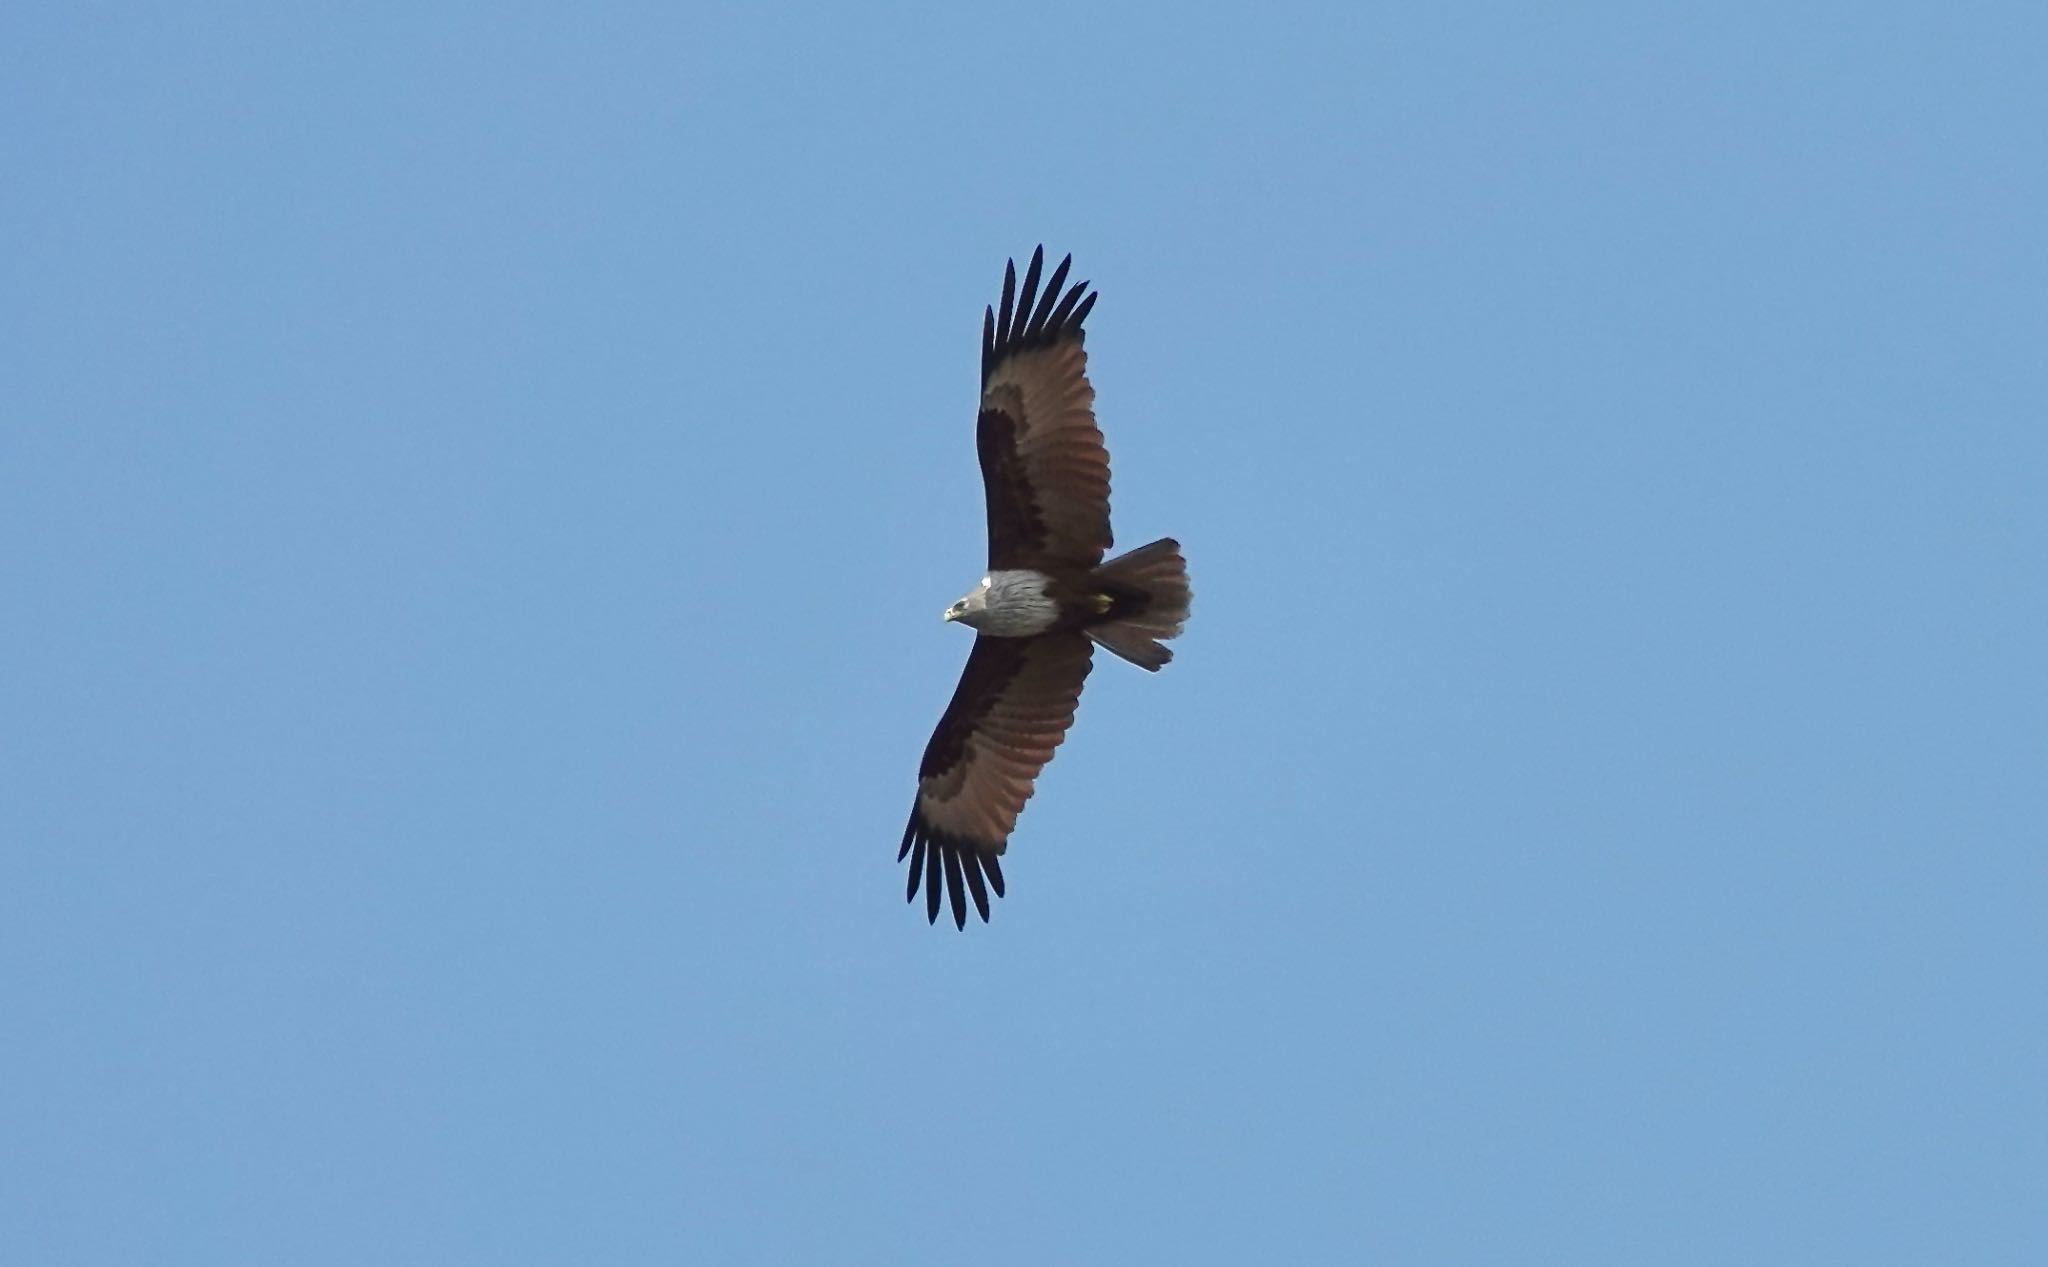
(1047,601)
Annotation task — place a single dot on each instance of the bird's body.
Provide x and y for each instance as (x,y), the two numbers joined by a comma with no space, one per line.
(1014,603)
(1047,600)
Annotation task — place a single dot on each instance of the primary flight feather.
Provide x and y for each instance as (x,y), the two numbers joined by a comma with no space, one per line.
(1048,598)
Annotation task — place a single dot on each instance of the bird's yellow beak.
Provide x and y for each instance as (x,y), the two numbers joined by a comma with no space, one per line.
(951,614)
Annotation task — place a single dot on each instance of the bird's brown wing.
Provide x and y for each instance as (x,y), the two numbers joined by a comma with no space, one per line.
(1013,706)
(1042,460)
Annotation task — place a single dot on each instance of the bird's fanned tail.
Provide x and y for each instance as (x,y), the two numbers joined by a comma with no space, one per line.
(1149,601)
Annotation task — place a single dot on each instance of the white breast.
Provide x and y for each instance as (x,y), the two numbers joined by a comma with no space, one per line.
(1017,604)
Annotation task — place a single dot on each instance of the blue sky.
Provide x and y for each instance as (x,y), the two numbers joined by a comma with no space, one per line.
(477,488)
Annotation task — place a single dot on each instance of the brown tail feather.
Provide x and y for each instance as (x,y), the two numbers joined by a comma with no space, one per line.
(1149,600)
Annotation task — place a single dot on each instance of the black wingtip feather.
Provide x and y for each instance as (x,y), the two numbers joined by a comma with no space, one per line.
(1051,297)
(916,870)
(975,887)
(1064,314)
(1027,295)
(1008,308)
(1081,313)
(1031,319)
(956,889)
(951,870)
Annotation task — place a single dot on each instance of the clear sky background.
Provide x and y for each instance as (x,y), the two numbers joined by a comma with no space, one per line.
(478,485)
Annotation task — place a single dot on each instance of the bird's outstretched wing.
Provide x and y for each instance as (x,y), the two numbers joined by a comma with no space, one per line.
(1042,460)
(1013,706)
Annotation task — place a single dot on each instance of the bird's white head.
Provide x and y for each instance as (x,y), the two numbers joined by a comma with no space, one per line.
(971,609)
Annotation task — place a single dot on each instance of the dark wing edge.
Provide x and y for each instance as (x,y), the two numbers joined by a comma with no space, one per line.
(954,866)
(1029,320)
(933,851)
(1044,467)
